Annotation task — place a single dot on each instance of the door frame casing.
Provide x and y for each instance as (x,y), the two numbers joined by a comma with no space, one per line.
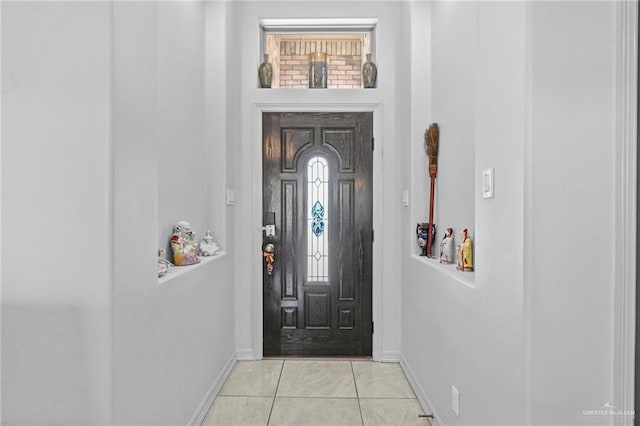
(256,239)
(624,344)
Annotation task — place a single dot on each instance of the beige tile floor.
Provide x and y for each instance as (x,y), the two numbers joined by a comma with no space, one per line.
(312,392)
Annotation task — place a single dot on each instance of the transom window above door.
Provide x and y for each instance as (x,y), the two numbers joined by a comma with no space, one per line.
(345,42)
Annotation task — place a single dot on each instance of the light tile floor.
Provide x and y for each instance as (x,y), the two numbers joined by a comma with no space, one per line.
(310,392)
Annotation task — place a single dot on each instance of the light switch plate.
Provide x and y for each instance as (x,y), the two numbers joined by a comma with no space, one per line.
(231,197)
(405,198)
(487,183)
(455,400)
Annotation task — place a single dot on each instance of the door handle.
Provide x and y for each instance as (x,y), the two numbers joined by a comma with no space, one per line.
(268,252)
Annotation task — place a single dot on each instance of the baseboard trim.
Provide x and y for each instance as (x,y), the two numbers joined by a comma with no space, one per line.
(423,399)
(210,396)
(390,356)
(245,355)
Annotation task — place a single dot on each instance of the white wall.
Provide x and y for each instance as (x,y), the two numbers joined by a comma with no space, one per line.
(572,215)
(171,341)
(191,167)
(95,96)
(245,101)
(469,334)
(56,217)
(182,163)
(453,108)
(219,149)
(519,342)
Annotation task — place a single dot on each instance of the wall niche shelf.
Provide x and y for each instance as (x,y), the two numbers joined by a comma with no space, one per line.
(339,97)
(467,278)
(177,271)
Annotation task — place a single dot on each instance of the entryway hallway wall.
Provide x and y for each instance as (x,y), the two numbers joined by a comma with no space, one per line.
(107,142)
(99,97)
(534,84)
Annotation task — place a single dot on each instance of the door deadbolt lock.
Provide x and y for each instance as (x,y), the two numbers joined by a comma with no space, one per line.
(270,230)
(269,224)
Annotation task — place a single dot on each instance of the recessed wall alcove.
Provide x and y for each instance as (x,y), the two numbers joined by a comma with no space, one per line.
(453,107)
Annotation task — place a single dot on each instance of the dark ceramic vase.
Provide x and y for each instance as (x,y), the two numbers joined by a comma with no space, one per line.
(265,73)
(318,70)
(369,73)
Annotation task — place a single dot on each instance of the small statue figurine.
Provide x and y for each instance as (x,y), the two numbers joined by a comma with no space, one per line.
(183,245)
(465,252)
(422,232)
(208,246)
(446,247)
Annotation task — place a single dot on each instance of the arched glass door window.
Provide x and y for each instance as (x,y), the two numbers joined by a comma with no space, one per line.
(317,219)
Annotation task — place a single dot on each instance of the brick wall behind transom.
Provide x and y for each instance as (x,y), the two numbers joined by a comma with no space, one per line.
(344,59)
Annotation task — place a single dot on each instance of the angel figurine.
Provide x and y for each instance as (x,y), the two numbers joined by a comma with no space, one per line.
(183,245)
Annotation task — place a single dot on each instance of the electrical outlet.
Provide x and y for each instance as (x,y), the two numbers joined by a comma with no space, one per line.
(455,400)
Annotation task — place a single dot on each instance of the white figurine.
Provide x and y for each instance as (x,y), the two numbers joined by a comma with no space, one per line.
(163,264)
(208,246)
(446,248)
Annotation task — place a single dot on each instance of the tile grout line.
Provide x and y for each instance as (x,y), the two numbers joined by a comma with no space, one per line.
(273,403)
(357,394)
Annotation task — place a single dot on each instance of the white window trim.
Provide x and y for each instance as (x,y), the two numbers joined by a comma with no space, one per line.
(319,25)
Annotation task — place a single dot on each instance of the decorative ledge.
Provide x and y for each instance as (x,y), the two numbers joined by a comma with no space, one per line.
(176,271)
(466,278)
(341,98)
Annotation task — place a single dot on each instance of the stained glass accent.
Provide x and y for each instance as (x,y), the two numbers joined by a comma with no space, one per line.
(318,220)
(317,212)
(318,227)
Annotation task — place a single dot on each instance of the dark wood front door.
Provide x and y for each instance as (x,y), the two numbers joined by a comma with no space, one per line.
(317,179)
